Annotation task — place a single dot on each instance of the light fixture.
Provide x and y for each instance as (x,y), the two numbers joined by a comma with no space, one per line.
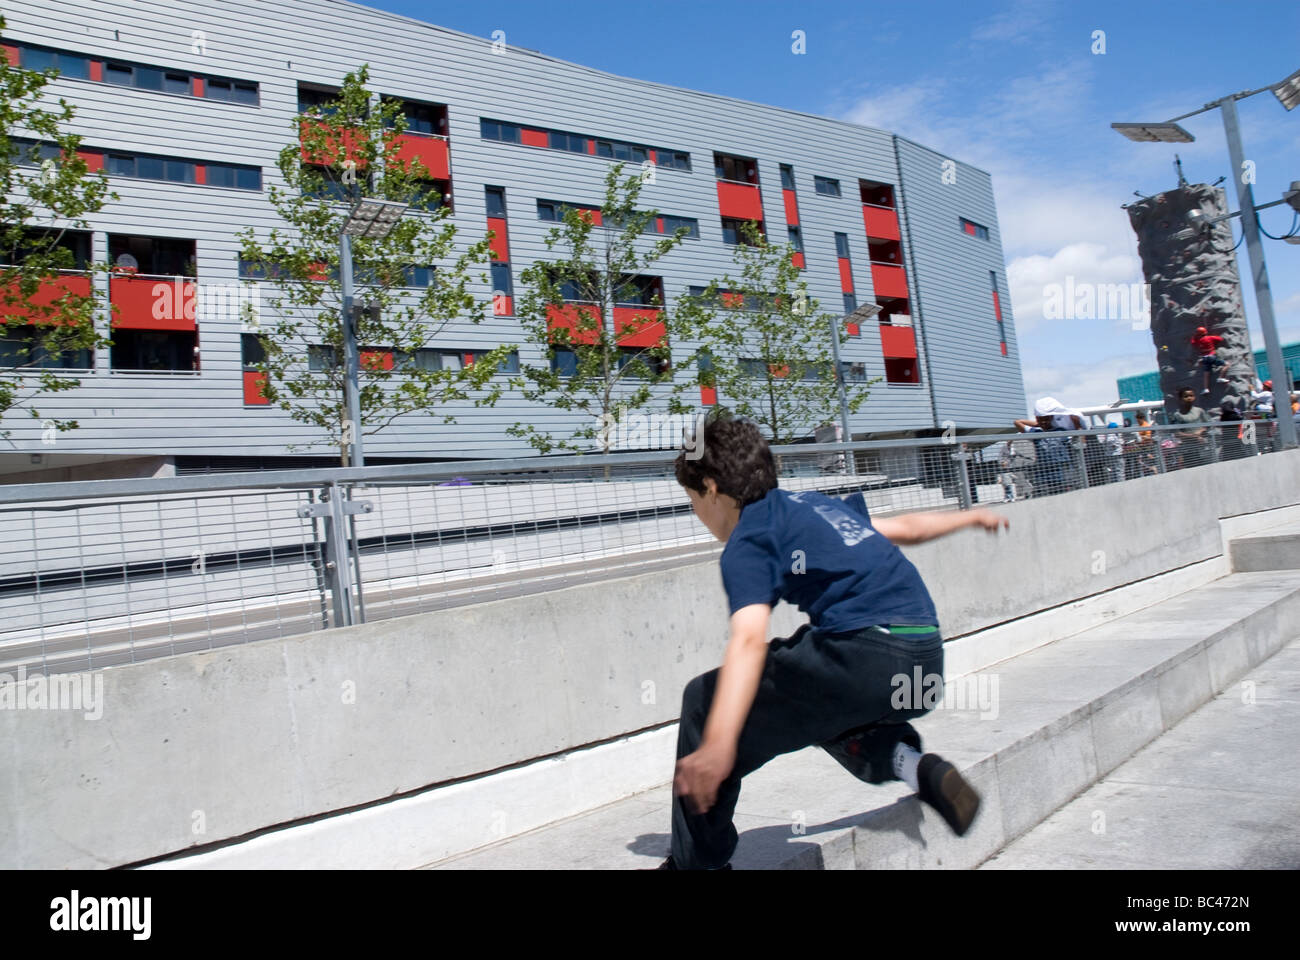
(1288,91)
(1292,196)
(863,313)
(1154,132)
(373,218)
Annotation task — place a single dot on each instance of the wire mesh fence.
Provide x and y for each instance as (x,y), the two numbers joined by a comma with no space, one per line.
(105,572)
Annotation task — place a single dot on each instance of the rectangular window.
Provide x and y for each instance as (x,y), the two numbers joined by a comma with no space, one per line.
(148,78)
(501,282)
(420,276)
(232,175)
(68,64)
(120,73)
(853,372)
(739,169)
(153,350)
(850,303)
(731,230)
(787,177)
(673,158)
(33,154)
(876,193)
(796,239)
(827,186)
(673,224)
(176,83)
(642,363)
(252,351)
(235,91)
(572,142)
(321,358)
(149,168)
(974,229)
(249,270)
(564,362)
(496,130)
(546,210)
(496,201)
(842,244)
(20,346)
(178,171)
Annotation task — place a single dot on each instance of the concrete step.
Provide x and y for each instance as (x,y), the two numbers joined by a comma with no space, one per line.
(1051,722)
(1276,549)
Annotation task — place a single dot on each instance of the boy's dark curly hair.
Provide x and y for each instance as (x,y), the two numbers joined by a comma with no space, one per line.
(735,454)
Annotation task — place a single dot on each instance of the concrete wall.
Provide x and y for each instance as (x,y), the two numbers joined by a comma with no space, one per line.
(245,738)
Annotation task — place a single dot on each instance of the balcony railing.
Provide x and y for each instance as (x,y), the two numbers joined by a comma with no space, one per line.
(153,301)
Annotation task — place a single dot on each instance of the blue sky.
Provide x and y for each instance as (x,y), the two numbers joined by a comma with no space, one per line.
(1012,86)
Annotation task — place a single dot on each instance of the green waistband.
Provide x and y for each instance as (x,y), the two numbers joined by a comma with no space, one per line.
(908,630)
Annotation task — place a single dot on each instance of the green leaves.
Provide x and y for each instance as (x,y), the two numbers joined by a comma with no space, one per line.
(352,147)
(48,298)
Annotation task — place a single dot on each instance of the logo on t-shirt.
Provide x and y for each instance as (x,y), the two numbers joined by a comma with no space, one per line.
(851,530)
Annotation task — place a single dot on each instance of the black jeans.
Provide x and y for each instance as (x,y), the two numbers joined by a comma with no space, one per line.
(851,694)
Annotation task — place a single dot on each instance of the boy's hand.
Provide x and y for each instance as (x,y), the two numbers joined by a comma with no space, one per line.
(700,773)
(989,520)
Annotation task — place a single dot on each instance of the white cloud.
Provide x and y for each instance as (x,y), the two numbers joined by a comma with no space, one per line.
(1076,264)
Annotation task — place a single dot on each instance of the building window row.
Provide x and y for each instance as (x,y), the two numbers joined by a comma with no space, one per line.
(323,357)
(553,211)
(826,186)
(507,132)
(128,74)
(146,166)
(973,229)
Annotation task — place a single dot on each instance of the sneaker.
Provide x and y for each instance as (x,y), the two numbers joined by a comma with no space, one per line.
(946,790)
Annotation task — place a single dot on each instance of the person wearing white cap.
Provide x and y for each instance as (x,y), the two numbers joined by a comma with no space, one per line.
(1053,455)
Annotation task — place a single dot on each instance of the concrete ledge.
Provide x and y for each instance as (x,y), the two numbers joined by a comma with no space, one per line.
(1277,549)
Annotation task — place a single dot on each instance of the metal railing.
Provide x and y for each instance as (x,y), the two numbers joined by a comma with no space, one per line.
(100,572)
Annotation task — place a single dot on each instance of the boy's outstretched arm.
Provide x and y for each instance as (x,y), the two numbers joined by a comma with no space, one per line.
(919,527)
(700,773)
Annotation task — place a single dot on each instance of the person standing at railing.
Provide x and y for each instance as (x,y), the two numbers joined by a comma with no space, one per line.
(1231,433)
(1054,465)
(835,682)
(1113,445)
(1193,444)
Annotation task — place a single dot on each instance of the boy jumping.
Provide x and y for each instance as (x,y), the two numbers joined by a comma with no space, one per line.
(871,619)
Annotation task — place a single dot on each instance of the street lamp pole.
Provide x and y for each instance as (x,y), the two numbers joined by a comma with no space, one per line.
(351,354)
(374,219)
(1259,273)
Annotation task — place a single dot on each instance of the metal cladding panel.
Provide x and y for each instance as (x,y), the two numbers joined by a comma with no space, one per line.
(974,385)
(278,45)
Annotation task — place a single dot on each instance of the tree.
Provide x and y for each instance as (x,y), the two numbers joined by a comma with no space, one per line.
(48,310)
(766,347)
(600,316)
(347,147)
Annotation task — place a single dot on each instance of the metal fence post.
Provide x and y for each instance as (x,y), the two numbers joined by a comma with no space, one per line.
(1083,460)
(336,512)
(963,477)
(1158,438)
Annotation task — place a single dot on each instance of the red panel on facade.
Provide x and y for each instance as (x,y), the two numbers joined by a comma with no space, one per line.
(152,303)
(47,293)
(503,306)
(733,301)
(888,280)
(253,382)
(797,260)
(376,359)
(535,138)
(1004,348)
(897,343)
(11,53)
(881,223)
(335,146)
(567,318)
(643,326)
(94,161)
(196,86)
(659,224)
(853,329)
(846,275)
(997,306)
(500,244)
(739,201)
(653,157)
(200,173)
(591,146)
(969,228)
(433,152)
(708,396)
(97,70)
(791,208)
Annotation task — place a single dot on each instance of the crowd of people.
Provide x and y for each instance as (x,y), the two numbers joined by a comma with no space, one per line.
(1128,450)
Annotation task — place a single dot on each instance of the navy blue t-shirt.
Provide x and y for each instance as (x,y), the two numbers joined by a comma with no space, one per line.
(822,555)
